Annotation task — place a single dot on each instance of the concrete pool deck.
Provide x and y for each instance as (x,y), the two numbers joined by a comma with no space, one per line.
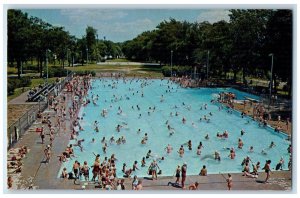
(44,176)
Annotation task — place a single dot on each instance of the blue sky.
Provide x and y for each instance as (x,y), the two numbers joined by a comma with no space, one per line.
(119,25)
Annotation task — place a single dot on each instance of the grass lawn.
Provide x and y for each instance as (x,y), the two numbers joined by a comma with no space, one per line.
(118,60)
(128,70)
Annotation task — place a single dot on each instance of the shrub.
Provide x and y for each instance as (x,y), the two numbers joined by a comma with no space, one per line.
(55,71)
(178,70)
(14,83)
(85,72)
(10,88)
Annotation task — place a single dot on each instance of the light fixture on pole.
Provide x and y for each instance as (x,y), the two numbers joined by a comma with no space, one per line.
(47,75)
(68,57)
(87,56)
(171,63)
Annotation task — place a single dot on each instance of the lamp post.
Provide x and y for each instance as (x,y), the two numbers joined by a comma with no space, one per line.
(47,75)
(97,50)
(207,63)
(271,81)
(87,56)
(68,57)
(171,63)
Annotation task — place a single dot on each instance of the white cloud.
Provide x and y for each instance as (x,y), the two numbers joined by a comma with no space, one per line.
(213,16)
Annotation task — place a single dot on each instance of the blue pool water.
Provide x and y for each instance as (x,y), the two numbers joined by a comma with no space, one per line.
(158,133)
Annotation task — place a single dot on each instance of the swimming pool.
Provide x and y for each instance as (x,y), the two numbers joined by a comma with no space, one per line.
(169,98)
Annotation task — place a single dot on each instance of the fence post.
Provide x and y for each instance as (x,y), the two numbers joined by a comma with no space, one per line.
(27,119)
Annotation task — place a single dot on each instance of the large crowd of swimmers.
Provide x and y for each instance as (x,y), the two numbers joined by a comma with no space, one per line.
(105,171)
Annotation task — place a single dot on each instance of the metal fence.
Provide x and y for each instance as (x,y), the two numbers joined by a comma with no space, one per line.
(18,128)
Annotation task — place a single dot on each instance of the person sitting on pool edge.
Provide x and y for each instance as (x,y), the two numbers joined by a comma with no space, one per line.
(203,171)
(194,186)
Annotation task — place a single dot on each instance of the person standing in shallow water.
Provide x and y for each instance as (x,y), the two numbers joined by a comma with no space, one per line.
(267,169)
(177,174)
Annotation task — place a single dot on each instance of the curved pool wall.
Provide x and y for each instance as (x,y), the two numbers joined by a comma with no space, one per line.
(154,124)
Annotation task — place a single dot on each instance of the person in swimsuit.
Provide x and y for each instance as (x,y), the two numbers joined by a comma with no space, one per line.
(169,148)
(177,174)
(267,169)
(229,182)
(134,182)
(183,174)
(76,169)
(143,162)
(42,134)
(47,153)
(194,186)
(64,173)
(203,171)
(85,171)
(181,151)
(240,143)
(96,170)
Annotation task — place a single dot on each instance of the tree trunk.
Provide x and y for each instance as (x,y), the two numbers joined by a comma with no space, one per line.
(275,84)
(41,67)
(19,68)
(244,76)
(234,75)
(289,87)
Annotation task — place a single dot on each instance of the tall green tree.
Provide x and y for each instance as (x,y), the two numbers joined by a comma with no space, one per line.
(248,31)
(18,36)
(91,34)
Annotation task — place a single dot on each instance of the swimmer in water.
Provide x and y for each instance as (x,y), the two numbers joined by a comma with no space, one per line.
(104,148)
(143,141)
(201,145)
(272,145)
(217,156)
(240,143)
(251,149)
(169,149)
(198,150)
(242,132)
(118,141)
(232,154)
(264,152)
(112,140)
(143,162)
(148,154)
(181,151)
(280,164)
(207,137)
(193,124)
(189,143)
